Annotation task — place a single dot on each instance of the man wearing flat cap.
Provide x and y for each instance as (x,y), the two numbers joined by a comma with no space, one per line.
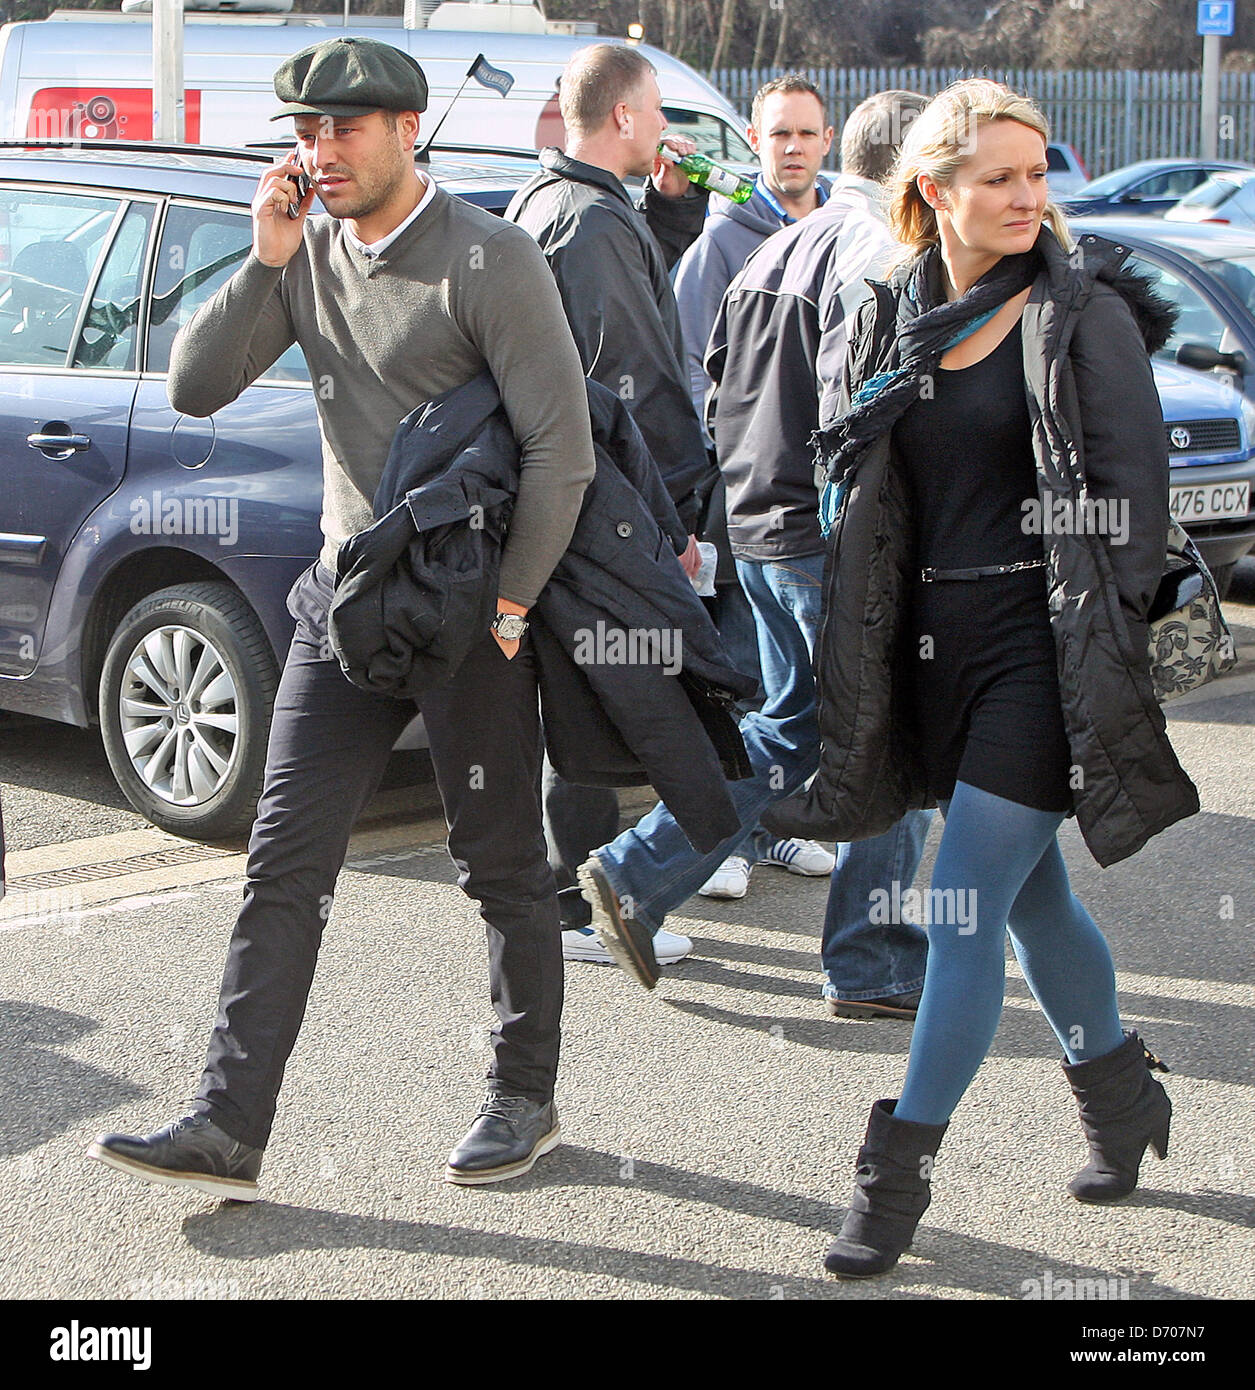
(400,294)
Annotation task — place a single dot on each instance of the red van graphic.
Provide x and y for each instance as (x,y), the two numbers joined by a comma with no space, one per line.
(108,113)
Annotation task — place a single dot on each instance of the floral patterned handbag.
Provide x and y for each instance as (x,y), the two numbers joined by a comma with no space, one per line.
(1190,642)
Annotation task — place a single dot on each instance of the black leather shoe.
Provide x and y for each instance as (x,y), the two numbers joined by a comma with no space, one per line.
(630,943)
(192,1152)
(892,1006)
(509,1134)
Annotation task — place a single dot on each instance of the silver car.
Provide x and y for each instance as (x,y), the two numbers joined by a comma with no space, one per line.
(1227,199)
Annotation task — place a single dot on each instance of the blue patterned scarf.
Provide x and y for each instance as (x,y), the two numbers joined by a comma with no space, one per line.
(927,327)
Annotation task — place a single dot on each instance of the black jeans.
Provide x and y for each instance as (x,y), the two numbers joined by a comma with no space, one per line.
(578,820)
(329,746)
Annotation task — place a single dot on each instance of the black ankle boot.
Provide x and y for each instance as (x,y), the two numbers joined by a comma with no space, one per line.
(891,1192)
(1123,1109)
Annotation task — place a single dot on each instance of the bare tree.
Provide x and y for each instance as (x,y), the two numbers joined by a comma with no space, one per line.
(724,39)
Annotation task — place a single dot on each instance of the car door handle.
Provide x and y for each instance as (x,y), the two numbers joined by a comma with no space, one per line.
(62,443)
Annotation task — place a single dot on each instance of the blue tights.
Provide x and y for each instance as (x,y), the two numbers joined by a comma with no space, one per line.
(1002,862)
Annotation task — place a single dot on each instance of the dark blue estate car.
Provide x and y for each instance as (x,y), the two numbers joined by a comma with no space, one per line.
(144,555)
(1145,189)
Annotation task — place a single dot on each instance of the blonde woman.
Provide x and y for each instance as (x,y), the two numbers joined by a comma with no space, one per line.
(976,655)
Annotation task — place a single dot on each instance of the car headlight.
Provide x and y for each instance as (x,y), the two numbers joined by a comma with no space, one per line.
(1248,421)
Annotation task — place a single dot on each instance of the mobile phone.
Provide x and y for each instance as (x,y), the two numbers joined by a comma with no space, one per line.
(302,181)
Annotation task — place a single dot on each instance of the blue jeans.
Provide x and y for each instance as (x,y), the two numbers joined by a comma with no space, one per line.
(653,868)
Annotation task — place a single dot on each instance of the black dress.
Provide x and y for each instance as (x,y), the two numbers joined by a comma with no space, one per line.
(985,689)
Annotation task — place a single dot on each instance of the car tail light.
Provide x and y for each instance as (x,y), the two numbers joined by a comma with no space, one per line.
(1224,221)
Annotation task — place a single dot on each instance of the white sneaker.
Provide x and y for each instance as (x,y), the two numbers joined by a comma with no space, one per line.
(580,943)
(800,857)
(730,880)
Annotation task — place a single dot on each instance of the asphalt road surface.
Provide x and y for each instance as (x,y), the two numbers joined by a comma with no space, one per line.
(709,1130)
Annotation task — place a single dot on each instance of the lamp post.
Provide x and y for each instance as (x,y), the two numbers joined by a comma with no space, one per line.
(168,106)
(1215,21)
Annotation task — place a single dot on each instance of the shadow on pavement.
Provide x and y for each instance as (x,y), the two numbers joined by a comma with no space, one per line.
(264,1230)
(42,1092)
(1172,1030)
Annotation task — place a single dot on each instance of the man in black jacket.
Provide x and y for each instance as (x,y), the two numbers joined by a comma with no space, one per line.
(609,261)
(777,344)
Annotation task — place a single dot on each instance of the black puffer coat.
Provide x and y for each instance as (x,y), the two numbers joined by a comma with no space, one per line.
(1097,431)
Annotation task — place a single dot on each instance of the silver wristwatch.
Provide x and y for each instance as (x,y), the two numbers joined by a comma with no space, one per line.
(509,626)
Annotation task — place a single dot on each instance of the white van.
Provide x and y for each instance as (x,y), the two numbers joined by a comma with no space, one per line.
(87,74)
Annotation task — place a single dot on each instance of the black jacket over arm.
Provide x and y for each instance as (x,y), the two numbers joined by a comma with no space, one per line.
(418,588)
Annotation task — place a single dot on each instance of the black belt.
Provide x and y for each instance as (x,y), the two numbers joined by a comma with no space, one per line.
(929,576)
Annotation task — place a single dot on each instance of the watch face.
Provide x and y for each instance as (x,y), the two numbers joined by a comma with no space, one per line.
(509,626)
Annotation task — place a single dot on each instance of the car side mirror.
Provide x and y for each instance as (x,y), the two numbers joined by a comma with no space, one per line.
(1205,359)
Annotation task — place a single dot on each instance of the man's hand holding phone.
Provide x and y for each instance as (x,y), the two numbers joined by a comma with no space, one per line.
(284,195)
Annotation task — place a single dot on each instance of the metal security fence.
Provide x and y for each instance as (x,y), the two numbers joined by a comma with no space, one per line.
(1112,118)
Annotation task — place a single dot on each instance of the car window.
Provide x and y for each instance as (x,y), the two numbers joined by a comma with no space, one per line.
(1238,273)
(201,248)
(714,138)
(1173,183)
(1197,321)
(111,328)
(1056,160)
(49,246)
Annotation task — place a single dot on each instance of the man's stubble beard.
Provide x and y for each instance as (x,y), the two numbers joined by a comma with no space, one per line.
(371,199)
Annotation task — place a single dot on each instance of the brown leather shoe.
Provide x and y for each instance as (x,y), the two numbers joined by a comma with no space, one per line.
(892,1006)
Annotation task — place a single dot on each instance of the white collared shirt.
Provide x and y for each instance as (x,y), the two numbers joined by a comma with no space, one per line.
(377,248)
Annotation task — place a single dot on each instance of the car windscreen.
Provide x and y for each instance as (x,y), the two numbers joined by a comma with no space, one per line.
(1212,194)
(714,138)
(1056,160)
(1105,186)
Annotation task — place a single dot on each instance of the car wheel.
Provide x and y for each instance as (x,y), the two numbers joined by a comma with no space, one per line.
(1223,575)
(186,695)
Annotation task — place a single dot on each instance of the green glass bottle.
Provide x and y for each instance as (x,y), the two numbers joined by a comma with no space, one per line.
(705,173)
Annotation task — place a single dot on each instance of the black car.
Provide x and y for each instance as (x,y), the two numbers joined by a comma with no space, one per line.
(1146,189)
(145,556)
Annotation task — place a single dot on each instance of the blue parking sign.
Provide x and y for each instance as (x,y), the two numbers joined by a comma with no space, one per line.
(1215,17)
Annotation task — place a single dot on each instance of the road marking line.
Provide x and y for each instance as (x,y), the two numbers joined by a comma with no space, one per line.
(368,848)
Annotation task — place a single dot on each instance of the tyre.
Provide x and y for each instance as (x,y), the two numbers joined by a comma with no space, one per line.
(186,694)
(1223,575)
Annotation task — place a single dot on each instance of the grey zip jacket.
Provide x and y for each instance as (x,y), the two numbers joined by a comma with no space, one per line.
(733,232)
(778,347)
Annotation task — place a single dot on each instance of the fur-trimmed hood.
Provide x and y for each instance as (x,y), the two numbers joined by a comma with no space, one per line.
(1154,315)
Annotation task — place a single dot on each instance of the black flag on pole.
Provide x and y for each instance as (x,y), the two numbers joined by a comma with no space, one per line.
(487,76)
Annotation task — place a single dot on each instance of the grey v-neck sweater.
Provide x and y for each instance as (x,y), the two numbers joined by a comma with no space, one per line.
(459,289)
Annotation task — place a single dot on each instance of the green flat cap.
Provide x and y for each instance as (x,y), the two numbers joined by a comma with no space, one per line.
(349,77)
